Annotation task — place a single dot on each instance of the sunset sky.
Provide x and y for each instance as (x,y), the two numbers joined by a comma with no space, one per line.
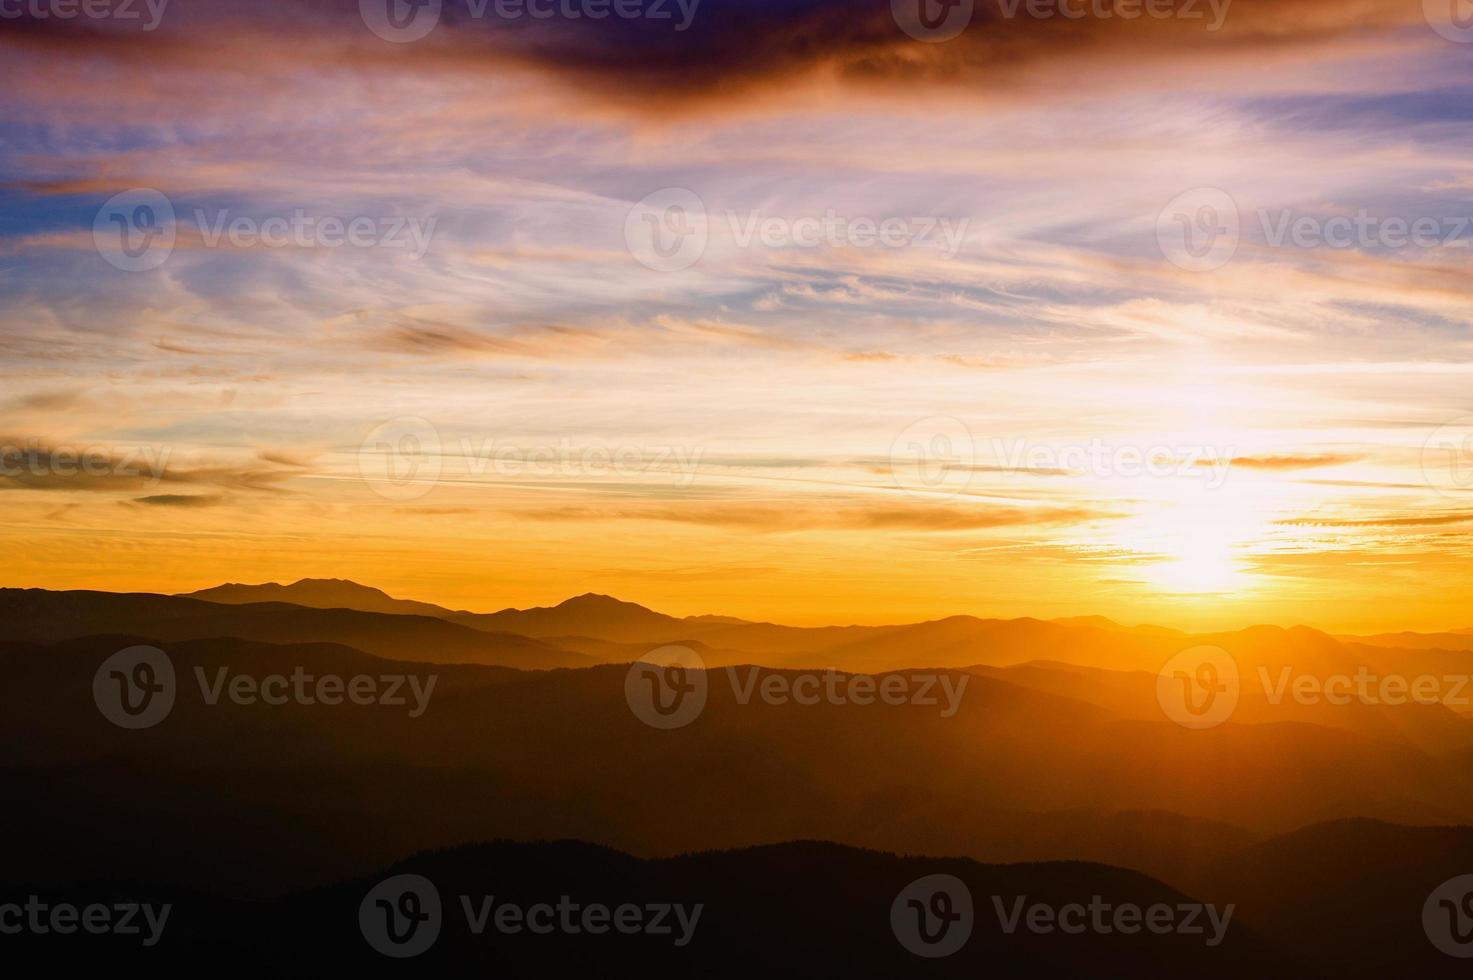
(811,432)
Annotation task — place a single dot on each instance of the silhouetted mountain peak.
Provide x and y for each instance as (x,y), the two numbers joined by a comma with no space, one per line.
(319,593)
(590,601)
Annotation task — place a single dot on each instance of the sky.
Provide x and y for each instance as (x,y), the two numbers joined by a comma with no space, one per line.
(811,311)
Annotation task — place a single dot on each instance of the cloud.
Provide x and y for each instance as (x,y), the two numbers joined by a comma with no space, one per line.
(1437,520)
(180,500)
(718,53)
(27,464)
(1294,461)
(918,517)
(57,400)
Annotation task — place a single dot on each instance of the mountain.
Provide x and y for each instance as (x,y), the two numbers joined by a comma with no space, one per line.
(320,593)
(592,615)
(1353,891)
(1023,770)
(1452,640)
(36,615)
(799,909)
(1323,822)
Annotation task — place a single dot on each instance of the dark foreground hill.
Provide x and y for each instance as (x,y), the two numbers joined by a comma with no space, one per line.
(794,910)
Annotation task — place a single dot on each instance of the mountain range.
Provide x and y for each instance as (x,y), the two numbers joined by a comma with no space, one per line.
(1318,820)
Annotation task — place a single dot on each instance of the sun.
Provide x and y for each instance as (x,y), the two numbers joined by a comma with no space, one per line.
(1203,573)
(1195,541)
